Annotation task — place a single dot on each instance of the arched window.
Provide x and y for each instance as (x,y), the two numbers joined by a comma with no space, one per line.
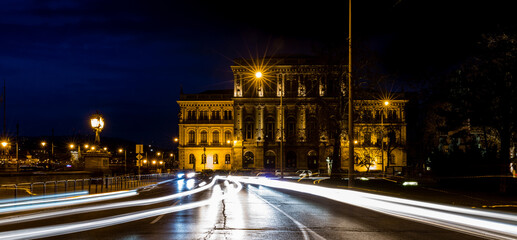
(227,159)
(269,160)
(227,137)
(249,160)
(291,127)
(191,159)
(192,137)
(392,159)
(291,159)
(312,130)
(216,159)
(248,128)
(203,158)
(215,137)
(204,137)
(270,129)
(312,159)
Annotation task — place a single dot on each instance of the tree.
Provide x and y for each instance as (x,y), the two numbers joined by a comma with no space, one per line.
(484,91)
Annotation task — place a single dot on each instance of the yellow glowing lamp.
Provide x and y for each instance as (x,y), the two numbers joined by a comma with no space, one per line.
(86,146)
(43,144)
(154,161)
(105,148)
(158,153)
(145,160)
(386,103)
(161,162)
(355,141)
(258,74)
(97,122)
(4,144)
(71,146)
(120,150)
(93,147)
(176,139)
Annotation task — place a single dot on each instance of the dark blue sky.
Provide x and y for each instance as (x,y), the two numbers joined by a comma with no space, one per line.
(64,60)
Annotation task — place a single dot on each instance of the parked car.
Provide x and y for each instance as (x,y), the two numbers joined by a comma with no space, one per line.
(304,173)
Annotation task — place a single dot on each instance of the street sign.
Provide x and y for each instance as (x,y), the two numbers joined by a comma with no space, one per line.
(139,156)
(139,148)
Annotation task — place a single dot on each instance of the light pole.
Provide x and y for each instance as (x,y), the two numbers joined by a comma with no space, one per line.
(386,104)
(350,102)
(97,123)
(125,159)
(43,144)
(258,76)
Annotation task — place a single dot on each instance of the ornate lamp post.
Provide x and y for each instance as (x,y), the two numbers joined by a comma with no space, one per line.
(97,123)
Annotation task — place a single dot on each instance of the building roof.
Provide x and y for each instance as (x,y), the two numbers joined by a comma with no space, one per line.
(216,94)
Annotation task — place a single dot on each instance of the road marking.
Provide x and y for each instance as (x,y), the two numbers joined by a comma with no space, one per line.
(160,217)
(304,229)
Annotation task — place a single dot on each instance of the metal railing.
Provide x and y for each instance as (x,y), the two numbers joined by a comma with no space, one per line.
(92,185)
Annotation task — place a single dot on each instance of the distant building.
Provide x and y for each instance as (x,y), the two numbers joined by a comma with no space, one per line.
(241,128)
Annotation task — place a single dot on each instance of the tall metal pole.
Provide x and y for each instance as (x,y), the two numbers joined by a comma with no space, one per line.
(125,162)
(382,140)
(17,159)
(281,128)
(350,102)
(4,98)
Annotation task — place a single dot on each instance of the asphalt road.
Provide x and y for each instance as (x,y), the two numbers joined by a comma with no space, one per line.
(255,212)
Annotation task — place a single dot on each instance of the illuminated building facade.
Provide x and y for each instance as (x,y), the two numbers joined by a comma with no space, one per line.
(242,128)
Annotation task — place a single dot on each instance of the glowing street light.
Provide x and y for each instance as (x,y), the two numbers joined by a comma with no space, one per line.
(86,146)
(258,74)
(71,146)
(4,144)
(120,150)
(386,103)
(43,144)
(105,148)
(175,139)
(97,123)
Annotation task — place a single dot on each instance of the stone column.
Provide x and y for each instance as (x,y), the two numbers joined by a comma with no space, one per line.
(238,122)
(259,122)
(301,124)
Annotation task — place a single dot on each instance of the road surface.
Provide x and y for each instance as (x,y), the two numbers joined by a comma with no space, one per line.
(223,212)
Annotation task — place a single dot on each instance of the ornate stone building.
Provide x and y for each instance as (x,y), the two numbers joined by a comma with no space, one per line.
(242,128)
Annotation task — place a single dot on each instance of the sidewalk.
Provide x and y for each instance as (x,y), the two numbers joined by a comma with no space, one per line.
(428,192)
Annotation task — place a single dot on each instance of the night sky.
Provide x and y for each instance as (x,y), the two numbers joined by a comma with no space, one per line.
(64,60)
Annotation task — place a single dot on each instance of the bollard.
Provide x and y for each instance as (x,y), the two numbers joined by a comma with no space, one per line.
(15,191)
(44,188)
(55,187)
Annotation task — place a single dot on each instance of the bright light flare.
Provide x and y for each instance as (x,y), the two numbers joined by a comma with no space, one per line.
(258,74)
(191,174)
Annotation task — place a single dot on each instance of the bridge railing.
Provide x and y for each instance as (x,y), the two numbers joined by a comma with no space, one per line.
(90,185)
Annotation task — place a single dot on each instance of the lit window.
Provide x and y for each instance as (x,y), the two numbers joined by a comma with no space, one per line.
(227,159)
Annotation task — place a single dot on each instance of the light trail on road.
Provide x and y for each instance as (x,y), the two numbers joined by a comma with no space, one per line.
(475,222)
(61,202)
(62,229)
(40,216)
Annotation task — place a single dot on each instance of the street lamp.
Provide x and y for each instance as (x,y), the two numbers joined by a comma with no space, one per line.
(97,123)
(386,104)
(125,159)
(72,146)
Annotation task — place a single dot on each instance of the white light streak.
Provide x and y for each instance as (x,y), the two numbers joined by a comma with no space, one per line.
(41,204)
(476,222)
(62,229)
(40,216)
